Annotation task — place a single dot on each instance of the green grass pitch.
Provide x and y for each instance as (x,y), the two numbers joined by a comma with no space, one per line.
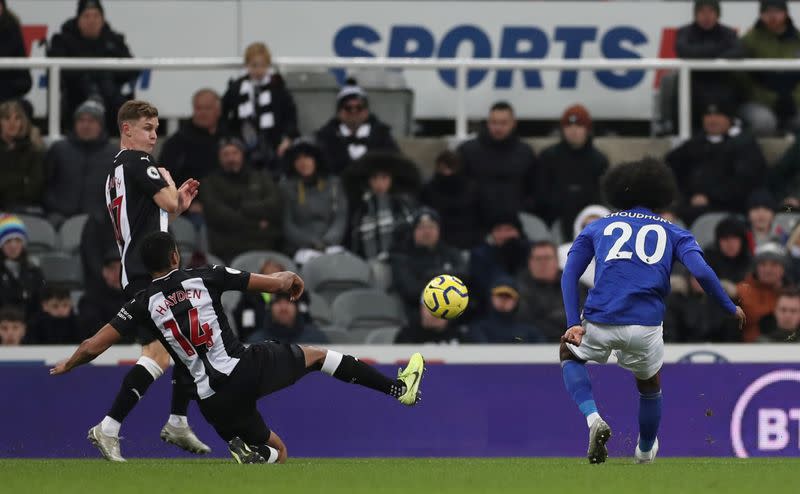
(402,475)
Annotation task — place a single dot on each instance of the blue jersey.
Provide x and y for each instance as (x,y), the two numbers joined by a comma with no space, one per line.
(634,252)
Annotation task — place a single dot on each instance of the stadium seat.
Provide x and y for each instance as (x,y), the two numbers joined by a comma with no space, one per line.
(533,226)
(340,336)
(382,336)
(320,310)
(62,269)
(366,309)
(69,234)
(555,233)
(785,222)
(703,227)
(381,275)
(332,274)
(251,261)
(75,296)
(315,97)
(185,234)
(41,234)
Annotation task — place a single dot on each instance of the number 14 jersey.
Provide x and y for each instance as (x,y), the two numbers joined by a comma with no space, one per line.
(634,251)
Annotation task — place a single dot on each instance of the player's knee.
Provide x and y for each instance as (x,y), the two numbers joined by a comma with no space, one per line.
(314,356)
(157,352)
(649,386)
(564,353)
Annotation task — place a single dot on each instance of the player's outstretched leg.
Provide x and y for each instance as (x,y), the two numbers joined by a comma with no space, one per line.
(576,380)
(649,418)
(105,435)
(177,431)
(351,370)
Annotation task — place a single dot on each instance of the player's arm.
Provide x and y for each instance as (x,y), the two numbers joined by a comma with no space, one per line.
(285,281)
(707,278)
(172,199)
(88,350)
(578,259)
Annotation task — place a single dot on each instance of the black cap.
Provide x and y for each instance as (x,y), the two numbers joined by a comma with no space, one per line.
(720,108)
(510,218)
(426,213)
(777,4)
(90,4)
(761,198)
(730,227)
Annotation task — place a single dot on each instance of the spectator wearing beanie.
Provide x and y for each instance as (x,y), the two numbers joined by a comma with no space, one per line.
(259,109)
(759,291)
(503,166)
(14,83)
(354,131)
(772,96)
(77,167)
(88,35)
(570,171)
(718,168)
(729,256)
(21,282)
(706,38)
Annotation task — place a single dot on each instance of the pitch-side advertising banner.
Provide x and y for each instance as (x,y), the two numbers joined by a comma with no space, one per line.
(744,410)
(416,29)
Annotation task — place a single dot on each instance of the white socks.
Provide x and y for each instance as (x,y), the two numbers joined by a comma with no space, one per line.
(331,363)
(273,455)
(110,427)
(178,421)
(590,419)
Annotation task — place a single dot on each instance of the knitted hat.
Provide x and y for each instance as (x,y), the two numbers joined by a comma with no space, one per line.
(232,141)
(426,213)
(576,115)
(350,91)
(771,251)
(714,4)
(90,4)
(778,4)
(93,108)
(761,198)
(12,227)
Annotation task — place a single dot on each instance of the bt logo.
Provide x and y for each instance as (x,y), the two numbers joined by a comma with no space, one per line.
(518,42)
(773,428)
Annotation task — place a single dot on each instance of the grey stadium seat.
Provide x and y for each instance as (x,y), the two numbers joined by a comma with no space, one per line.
(381,274)
(184,233)
(340,336)
(367,309)
(69,234)
(320,310)
(62,269)
(251,261)
(332,274)
(533,226)
(703,227)
(41,234)
(382,336)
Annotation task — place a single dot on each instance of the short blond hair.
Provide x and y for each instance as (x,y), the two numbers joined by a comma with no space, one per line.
(14,107)
(257,49)
(133,110)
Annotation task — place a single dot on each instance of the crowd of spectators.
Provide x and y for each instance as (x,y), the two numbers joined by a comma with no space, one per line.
(348,187)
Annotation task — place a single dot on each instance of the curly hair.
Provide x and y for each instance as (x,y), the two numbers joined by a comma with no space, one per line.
(647,183)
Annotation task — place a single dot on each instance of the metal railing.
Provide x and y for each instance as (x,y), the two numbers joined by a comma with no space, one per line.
(460,65)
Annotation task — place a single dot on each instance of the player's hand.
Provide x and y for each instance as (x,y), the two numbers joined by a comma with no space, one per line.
(166,175)
(741,317)
(291,284)
(186,194)
(59,368)
(574,335)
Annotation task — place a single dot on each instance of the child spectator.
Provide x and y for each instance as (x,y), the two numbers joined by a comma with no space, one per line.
(21,282)
(12,326)
(57,323)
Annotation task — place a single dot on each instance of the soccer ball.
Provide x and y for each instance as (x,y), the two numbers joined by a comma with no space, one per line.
(446,297)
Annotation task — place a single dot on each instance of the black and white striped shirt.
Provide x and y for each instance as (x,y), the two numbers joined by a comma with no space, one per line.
(184,311)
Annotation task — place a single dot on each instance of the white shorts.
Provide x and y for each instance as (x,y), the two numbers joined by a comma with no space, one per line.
(640,349)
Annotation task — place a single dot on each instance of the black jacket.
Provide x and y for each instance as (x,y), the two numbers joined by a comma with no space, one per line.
(252,313)
(334,145)
(413,267)
(696,318)
(727,172)
(79,85)
(25,291)
(14,84)
(76,173)
(192,152)
(413,332)
(503,327)
(541,304)
(505,171)
(455,198)
(45,329)
(771,334)
(569,180)
(97,307)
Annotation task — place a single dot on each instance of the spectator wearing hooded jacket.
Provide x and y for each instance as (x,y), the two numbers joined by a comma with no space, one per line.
(315,215)
(21,282)
(707,39)
(259,109)
(286,324)
(729,256)
(424,327)
(77,167)
(422,257)
(14,83)
(22,170)
(570,171)
(772,96)
(354,131)
(502,164)
(587,215)
(719,168)
(88,35)
(502,324)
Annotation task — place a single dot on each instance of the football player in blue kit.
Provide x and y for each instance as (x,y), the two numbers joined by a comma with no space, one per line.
(634,249)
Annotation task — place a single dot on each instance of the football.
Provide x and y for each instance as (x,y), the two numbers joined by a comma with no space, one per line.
(446,297)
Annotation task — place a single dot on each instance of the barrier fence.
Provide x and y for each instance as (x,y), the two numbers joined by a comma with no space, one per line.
(684,68)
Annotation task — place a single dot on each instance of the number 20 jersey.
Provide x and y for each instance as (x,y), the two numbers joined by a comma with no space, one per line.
(634,252)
